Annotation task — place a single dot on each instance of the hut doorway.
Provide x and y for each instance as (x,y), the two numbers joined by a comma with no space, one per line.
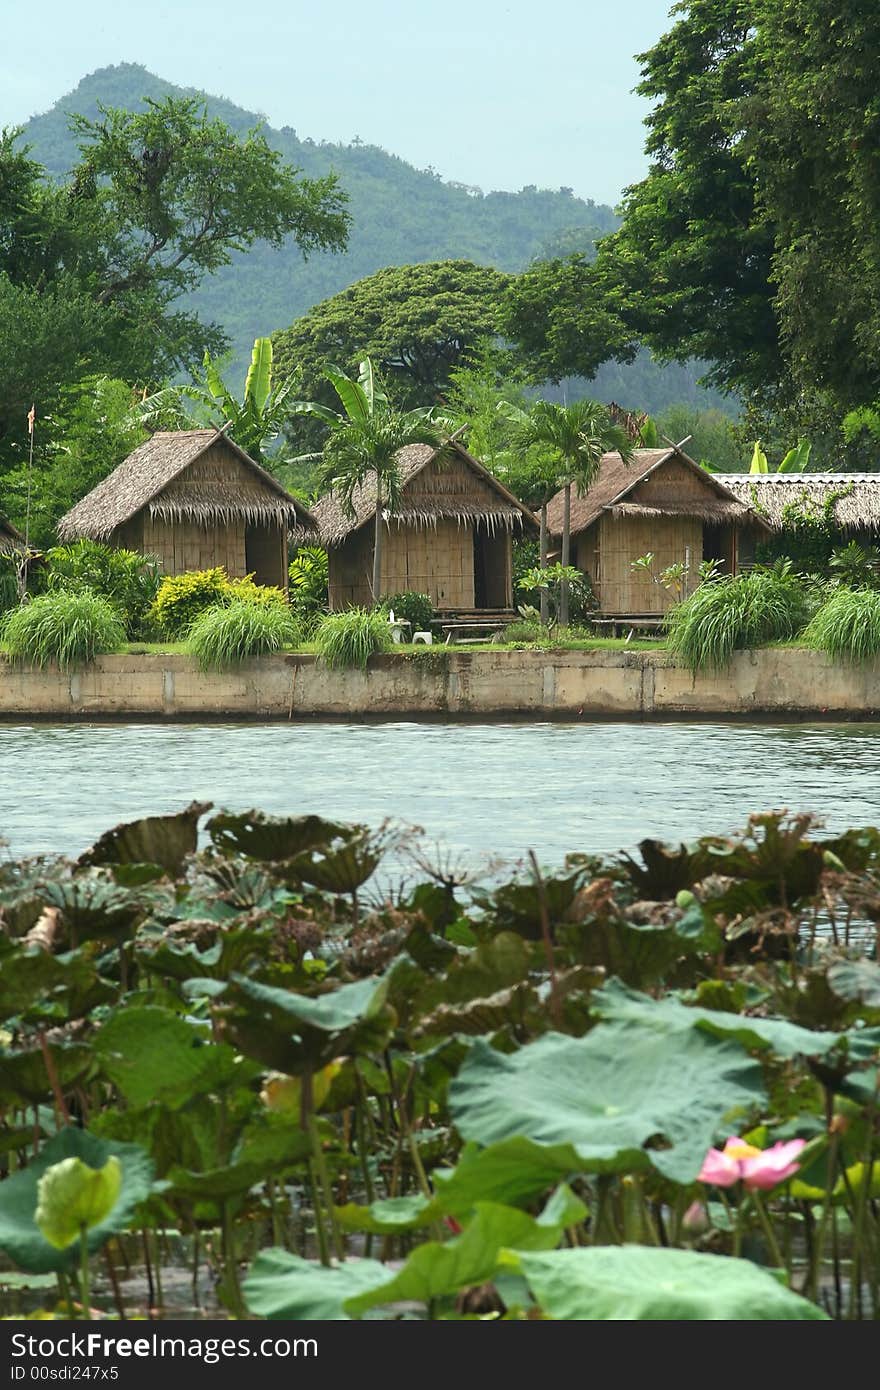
(265,555)
(719,543)
(491,569)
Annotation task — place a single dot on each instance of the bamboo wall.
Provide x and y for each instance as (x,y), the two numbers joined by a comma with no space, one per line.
(434,560)
(672,540)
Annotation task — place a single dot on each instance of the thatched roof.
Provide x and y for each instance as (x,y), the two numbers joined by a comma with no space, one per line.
(11,540)
(141,479)
(856,504)
(487,502)
(612,490)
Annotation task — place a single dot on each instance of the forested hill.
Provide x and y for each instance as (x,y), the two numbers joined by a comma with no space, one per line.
(400,214)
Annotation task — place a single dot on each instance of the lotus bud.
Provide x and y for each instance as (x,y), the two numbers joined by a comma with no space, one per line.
(695,1221)
(72,1197)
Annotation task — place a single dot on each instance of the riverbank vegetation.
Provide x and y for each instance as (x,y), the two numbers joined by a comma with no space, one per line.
(511,1099)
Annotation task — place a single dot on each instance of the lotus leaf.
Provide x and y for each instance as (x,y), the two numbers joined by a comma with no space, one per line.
(642,1283)
(162,840)
(610,1096)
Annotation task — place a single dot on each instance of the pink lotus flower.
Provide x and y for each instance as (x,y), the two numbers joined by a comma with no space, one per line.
(756,1168)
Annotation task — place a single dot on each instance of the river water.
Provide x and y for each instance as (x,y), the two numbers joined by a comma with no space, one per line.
(479,790)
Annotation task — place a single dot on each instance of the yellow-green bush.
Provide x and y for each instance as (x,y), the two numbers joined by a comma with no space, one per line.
(182,598)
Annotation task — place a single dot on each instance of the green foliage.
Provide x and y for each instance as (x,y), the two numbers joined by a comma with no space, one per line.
(91,430)
(94,261)
(184,597)
(733,614)
(712,436)
(223,637)
(21,1237)
(639,1284)
(68,628)
(309,577)
(550,581)
(560,322)
(127,579)
(808,535)
(231,1024)
(351,638)
(418,322)
(857,566)
(848,625)
(255,422)
(417,609)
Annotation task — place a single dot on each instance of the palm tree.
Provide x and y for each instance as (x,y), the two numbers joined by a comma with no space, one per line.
(575,436)
(255,422)
(362,446)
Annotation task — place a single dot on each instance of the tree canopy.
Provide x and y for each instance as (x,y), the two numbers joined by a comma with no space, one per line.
(416,321)
(91,266)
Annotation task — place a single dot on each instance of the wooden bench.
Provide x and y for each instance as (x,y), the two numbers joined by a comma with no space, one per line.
(649,624)
(483,630)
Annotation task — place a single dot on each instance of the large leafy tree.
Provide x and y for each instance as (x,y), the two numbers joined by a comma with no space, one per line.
(813,154)
(561,322)
(417,322)
(362,445)
(91,267)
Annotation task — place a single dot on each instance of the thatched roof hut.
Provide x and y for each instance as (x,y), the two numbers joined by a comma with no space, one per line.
(195,500)
(854,497)
(663,503)
(11,540)
(451,537)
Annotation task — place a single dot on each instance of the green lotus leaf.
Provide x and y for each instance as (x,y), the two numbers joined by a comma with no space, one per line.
(23,1074)
(388,1216)
(152,1054)
(21,1238)
(271,839)
(611,1096)
(72,1197)
(288,1032)
(514,1171)
(162,840)
(642,1283)
(440,1268)
(281,1285)
(856,980)
(616,1003)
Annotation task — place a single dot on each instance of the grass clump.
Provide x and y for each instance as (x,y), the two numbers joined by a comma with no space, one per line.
(848,625)
(351,638)
(736,614)
(227,635)
(68,628)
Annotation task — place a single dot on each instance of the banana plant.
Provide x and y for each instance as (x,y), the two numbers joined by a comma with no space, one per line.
(255,422)
(795,461)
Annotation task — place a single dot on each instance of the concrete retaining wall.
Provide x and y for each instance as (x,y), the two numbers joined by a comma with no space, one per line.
(637,684)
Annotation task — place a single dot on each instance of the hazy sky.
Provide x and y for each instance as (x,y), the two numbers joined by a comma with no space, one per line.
(499,93)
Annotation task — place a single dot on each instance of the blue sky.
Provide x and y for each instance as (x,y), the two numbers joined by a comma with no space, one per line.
(498,93)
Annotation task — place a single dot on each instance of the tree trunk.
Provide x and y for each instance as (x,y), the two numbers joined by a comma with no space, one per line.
(545,597)
(566,555)
(377,546)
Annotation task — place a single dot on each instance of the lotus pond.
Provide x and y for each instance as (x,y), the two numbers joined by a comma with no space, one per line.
(634,1086)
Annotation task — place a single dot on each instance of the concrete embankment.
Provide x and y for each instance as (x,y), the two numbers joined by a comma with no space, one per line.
(484,683)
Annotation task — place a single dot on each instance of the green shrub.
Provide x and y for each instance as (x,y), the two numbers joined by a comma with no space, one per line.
(733,614)
(309,576)
(351,638)
(848,625)
(228,634)
(129,580)
(184,597)
(70,628)
(417,609)
(246,591)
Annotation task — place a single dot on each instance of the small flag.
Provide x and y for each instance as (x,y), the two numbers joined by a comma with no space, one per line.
(32,415)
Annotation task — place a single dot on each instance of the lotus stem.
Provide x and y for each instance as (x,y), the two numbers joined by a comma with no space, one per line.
(84,1291)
